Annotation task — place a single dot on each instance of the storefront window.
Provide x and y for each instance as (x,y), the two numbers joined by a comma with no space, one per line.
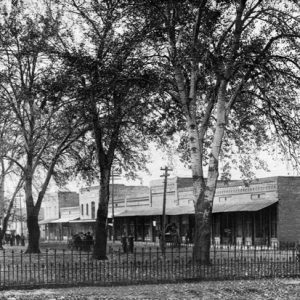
(147,231)
(132,228)
(239,225)
(274,222)
(227,228)
(216,225)
(139,228)
(248,227)
(184,225)
(259,224)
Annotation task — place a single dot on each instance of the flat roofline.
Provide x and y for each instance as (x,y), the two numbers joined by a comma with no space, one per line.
(223,183)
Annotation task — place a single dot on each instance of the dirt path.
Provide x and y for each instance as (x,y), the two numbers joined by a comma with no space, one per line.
(280,289)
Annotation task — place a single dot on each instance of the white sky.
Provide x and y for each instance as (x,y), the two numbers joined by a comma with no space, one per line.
(159,160)
(276,166)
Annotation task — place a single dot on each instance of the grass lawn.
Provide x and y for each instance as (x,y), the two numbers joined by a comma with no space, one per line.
(277,289)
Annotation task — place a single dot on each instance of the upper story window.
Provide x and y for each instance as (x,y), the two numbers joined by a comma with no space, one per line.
(82,209)
(87,209)
(93,210)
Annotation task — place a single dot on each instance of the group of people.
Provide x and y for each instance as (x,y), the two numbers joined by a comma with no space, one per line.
(82,241)
(14,240)
(171,235)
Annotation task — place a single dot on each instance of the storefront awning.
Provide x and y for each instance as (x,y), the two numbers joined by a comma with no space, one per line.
(149,211)
(157,211)
(83,221)
(64,220)
(180,210)
(243,206)
(43,222)
(55,221)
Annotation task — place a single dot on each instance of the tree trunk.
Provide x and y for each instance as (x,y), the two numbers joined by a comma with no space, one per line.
(6,219)
(2,208)
(101,222)
(1,238)
(202,207)
(2,199)
(32,218)
(33,234)
(204,204)
(4,226)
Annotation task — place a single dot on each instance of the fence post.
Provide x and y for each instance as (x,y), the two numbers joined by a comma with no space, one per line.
(47,266)
(172,257)
(30,264)
(72,264)
(55,264)
(119,263)
(4,267)
(143,263)
(13,263)
(39,267)
(235,252)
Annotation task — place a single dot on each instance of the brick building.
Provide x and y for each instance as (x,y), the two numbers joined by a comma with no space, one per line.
(123,200)
(263,212)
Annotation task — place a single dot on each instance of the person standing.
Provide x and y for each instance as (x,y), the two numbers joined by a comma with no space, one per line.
(18,239)
(22,240)
(12,239)
(89,241)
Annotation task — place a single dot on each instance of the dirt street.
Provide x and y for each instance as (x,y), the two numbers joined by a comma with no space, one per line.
(280,289)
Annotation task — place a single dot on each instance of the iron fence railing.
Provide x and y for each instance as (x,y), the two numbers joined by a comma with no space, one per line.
(54,267)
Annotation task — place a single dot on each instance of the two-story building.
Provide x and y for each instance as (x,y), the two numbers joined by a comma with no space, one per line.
(262,212)
(122,199)
(59,208)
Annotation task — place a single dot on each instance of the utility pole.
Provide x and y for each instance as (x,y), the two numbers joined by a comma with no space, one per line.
(113,175)
(163,231)
(112,207)
(21,212)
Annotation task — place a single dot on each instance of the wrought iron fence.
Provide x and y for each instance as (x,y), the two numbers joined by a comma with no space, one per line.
(143,265)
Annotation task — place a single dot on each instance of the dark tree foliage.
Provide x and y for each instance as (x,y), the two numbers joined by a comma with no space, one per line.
(114,88)
(43,122)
